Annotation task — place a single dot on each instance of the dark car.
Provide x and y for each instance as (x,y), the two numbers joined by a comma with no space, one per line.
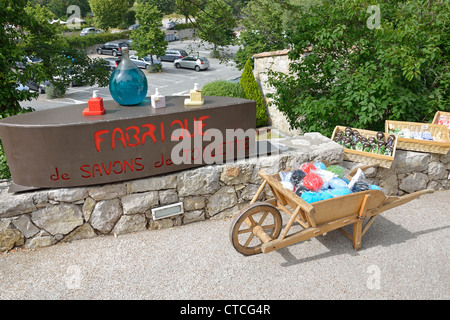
(114,48)
(173,54)
(33,85)
(112,63)
(129,43)
(27,61)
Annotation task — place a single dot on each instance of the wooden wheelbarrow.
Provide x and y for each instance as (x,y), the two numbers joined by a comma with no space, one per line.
(258,227)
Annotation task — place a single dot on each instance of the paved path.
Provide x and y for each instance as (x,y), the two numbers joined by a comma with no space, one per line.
(405,255)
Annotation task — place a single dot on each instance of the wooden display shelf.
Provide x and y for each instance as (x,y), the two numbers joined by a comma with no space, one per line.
(440,114)
(367,157)
(437,131)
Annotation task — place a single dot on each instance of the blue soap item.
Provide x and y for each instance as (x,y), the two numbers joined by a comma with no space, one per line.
(319,165)
(310,196)
(324,195)
(336,183)
(374,187)
(339,192)
(346,180)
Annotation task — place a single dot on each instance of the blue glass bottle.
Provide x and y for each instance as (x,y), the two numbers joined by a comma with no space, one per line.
(128,84)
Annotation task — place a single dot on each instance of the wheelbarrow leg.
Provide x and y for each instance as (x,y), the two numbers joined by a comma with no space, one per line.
(357,226)
(357,234)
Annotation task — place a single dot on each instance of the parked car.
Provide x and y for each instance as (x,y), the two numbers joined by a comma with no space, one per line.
(171,37)
(112,63)
(113,47)
(173,54)
(145,62)
(27,60)
(197,63)
(170,25)
(90,30)
(134,27)
(34,86)
(129,43)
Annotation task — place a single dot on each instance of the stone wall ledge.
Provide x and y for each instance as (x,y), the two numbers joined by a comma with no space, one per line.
(46,217)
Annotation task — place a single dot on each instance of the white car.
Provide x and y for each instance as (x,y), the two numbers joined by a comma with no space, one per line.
(90,30)
(145,62)
(197,63)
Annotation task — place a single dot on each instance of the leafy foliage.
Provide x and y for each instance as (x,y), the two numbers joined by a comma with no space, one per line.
(223,88)
(149,38)
(263,29)
(25,31)
(252,92)
(344,73)
(109,13)
(165,6)
(189,8)
(216,23)
(59,7)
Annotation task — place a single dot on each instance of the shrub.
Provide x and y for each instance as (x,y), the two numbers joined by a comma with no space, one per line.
(4,169)
(223,88)
(76,41)
(182,26)
(55,90)
(153,68)
(252,92)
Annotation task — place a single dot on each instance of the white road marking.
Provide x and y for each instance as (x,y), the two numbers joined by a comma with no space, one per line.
(181,93)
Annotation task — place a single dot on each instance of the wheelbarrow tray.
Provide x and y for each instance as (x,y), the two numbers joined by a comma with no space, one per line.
(316,218)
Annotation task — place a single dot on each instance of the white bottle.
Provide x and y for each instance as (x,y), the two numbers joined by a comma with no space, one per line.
(158,100)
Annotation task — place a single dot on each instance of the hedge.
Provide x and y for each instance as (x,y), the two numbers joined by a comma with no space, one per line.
(223,88)
(92,39)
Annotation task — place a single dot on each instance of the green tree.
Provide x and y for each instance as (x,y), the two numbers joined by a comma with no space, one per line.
(263,30)
(215,24)
(189,8)
(109,13)
(165,6)
(25,32)
(252,92)
(59,7)
(19,29)
(149,39)
(358,65)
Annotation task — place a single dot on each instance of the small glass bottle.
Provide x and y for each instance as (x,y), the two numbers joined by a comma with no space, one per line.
(128,84)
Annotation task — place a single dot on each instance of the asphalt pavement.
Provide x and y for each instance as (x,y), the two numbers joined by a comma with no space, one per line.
(404,256)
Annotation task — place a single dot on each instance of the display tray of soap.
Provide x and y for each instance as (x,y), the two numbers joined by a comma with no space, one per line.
(442,118)
(422,137)
(366,146)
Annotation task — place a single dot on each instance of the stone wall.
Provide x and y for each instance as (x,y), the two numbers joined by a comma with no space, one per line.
(274,61)
(411,171)
(46,217)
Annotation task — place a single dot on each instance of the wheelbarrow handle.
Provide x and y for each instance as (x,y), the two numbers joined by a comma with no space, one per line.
(392,202)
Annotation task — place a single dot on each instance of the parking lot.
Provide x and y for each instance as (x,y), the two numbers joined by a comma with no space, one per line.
(170,81)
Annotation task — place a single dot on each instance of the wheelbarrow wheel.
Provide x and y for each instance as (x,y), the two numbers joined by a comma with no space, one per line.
(257,216)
